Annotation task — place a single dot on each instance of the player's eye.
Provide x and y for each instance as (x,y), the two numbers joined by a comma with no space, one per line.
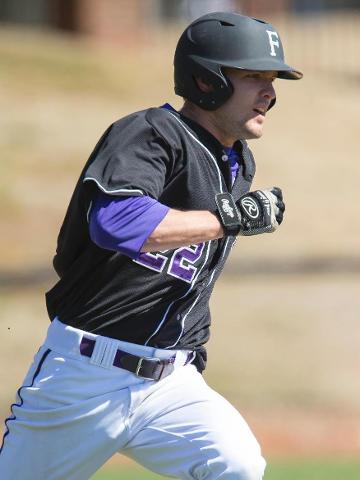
(255,75)
(260,76)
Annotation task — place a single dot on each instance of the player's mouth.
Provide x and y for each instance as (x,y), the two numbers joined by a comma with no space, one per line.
(260,111)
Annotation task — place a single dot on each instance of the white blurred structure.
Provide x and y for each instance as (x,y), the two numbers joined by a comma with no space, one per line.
(191,10)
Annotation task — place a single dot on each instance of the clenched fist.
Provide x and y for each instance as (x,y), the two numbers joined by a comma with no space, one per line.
(256,212)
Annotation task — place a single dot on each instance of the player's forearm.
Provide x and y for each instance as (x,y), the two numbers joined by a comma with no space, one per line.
(179,229)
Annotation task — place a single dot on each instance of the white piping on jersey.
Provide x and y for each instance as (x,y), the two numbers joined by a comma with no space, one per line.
(203,146)
(110,192)
(207,253)
(180,298)
(196,299)
(88,212)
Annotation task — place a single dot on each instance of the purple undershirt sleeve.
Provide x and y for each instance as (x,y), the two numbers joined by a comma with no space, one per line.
(233,158)
(124,224)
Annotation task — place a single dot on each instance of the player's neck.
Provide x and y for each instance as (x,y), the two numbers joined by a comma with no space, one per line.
(204,118)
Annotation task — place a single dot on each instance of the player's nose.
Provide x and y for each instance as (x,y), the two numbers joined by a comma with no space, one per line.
(268,91)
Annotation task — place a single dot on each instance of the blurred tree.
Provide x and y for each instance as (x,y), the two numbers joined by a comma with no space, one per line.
(308,6)
(64,14)
(20,11)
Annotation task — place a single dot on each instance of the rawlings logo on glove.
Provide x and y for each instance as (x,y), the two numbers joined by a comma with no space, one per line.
(226,208)
(250,207)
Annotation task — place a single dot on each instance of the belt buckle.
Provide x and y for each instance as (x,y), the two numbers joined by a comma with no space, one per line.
(139,366)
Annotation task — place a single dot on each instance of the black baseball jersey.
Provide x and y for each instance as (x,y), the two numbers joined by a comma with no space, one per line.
(161,299)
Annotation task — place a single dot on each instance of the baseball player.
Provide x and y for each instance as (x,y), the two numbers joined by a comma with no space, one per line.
(149,227)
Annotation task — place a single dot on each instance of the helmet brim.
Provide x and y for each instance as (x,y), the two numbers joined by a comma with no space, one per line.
(290,74)
(284,71)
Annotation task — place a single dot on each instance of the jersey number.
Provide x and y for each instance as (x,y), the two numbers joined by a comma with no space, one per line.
(181,261)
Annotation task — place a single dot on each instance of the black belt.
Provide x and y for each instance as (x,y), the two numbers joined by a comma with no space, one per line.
(145,367)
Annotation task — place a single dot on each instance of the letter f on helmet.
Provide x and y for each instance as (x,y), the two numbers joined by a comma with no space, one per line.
(273,43)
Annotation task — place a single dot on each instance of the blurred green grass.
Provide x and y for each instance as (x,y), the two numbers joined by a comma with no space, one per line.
(294,469)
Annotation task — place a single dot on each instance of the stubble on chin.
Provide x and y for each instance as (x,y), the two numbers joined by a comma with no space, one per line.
(252,131)
(254,135)
(228,130)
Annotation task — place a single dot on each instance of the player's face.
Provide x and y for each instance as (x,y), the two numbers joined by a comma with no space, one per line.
(243,115)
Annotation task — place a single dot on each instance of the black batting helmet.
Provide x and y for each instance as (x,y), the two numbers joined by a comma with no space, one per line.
(225,39)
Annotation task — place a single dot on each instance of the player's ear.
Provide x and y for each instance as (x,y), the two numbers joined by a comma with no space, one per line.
(203,85)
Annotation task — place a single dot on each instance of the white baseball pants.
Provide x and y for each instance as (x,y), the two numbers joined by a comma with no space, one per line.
(73,413)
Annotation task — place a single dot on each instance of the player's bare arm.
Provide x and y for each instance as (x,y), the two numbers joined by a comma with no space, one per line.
(179,229)
(255,213)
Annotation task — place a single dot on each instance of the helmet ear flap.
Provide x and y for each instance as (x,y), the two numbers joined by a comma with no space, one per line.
(221,90)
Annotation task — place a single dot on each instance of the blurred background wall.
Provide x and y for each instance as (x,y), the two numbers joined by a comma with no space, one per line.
(286,311)
(132,20)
